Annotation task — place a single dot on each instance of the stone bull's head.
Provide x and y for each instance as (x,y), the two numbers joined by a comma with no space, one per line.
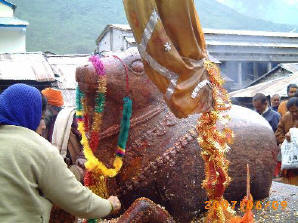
(141,89)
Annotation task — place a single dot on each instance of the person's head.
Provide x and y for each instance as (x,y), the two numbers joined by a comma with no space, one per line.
(292,106)
(55,102)
(275,100)
(292,89)
(21,105)
(55,99)
(259,102)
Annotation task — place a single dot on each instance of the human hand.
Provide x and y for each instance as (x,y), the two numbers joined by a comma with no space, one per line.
(81,162)
(115,204)
(288,137)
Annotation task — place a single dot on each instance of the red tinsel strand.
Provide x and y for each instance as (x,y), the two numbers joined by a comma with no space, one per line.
(87,179)
(86,121)
(219,187)
(94,140)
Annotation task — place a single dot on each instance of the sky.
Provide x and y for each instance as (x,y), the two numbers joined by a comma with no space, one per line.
(278,11)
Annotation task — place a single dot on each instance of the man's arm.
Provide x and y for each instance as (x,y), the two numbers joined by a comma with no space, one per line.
(280,132)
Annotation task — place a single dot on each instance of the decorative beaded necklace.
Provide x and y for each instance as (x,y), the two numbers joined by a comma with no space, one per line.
(97,172)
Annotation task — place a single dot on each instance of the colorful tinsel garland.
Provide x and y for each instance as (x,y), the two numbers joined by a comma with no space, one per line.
(93,164)
(97,172)
(214,144)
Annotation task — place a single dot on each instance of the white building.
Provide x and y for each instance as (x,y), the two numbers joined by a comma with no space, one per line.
(244,55)
(115,37)
(12,30)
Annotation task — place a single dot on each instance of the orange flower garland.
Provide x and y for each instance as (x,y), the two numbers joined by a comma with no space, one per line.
(214,144)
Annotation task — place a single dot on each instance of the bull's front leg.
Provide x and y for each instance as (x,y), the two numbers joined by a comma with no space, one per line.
(144,210)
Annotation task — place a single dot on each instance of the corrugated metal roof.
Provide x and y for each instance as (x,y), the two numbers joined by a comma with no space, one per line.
(225,31)
(13,21)
(281,70)
(251,43)
(121,26)
(249,33)
(276,86)
(64,66)
(25,66)
(292,67)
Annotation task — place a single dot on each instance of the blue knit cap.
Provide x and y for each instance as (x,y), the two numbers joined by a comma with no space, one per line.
(21,105)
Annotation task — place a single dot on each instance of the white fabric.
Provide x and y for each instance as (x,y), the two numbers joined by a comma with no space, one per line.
(62,129)
(289,151)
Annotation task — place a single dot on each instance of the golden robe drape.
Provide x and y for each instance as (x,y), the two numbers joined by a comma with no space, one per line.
(171,43)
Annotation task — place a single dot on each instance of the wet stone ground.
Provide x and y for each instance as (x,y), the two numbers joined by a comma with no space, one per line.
(286,212)
(277,212)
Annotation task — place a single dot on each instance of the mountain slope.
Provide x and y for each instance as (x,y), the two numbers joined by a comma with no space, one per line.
(67,26)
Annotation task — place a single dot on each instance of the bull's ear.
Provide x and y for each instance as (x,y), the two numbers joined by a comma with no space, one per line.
(79,73)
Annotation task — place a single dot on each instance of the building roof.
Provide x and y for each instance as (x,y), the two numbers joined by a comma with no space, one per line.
(241,45)
(123,27)
(251,43)
(64,68)
(9,4)
(249,33)
(281,70)
(276,84)
(227,32)
(25,67)
(12,22)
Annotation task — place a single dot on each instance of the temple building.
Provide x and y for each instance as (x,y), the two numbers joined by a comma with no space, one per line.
(12,30)
(244,55)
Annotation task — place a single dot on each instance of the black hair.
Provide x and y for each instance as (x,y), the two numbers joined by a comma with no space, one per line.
(292,102)
(260,97)
(44,102)
(291,86)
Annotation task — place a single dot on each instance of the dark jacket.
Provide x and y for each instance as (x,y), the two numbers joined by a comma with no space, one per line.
(272,117)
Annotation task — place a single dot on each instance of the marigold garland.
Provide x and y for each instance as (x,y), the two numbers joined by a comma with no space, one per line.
(93,164)
(97,172)
(214,144)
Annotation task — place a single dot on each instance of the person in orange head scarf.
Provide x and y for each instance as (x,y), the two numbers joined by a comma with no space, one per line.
(62,132)
(54,97)
(55,103)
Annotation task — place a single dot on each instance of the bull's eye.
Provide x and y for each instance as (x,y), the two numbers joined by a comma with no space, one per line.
(137,67)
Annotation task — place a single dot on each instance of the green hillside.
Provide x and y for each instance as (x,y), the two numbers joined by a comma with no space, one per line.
(69,26)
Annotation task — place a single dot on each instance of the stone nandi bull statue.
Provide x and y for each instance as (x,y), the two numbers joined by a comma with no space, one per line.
(162,160)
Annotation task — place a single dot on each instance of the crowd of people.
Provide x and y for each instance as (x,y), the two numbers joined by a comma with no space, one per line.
(282,116)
